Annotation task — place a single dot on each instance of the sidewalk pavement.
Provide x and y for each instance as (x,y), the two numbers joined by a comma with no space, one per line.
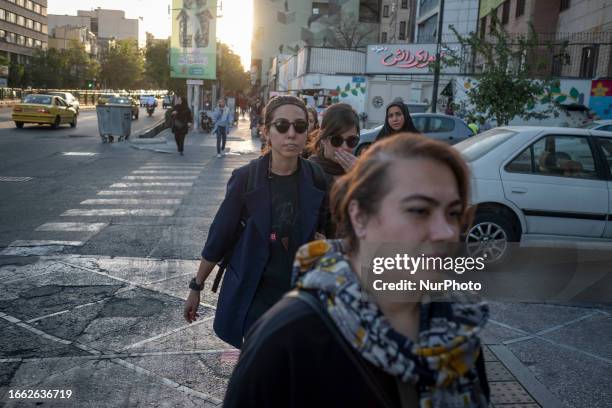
(111,329)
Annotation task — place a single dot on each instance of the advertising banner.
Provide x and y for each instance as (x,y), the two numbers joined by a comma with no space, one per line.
(193,49)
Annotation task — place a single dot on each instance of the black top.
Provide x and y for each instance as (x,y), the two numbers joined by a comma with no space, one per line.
(276,278)
(291,360)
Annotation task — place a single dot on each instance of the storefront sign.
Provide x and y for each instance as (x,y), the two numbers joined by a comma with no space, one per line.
(400,59)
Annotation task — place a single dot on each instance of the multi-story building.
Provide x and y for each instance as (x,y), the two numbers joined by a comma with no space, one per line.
(63,38)
(397,21)
(23,28)
(461,14)
(586,25)
(284,27)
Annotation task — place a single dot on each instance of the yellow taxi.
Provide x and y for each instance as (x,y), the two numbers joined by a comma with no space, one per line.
(44,109)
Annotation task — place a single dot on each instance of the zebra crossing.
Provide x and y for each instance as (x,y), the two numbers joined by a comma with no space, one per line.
(153,190)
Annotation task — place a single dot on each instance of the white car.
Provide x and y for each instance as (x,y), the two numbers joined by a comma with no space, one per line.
(605,125)
(539,184)
(69,98)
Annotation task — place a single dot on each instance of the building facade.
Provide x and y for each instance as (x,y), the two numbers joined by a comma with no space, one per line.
(461,14)
(63,38)
(23,28)
(397,21)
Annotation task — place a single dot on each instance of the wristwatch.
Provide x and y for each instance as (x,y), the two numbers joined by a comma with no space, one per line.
(193,285)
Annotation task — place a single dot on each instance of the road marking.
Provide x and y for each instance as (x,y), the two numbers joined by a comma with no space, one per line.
(73,226)
(141,192)
(35,243)
(37,248)
(166,334)
(130,185)
(15,179)
(111,212)
(166,172)
(132,201)
(79,154)
(159,177)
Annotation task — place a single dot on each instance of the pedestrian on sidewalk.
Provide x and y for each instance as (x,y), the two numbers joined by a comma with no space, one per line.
(181,118)
(272,206)
(337,342)
(333,148)
(397,119)
(222,118)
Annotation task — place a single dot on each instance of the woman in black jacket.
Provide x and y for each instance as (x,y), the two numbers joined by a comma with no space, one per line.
(333,148)
(181,118)
(397,119)
(337,342)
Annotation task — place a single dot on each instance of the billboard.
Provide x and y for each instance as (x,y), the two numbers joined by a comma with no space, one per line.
(193,48)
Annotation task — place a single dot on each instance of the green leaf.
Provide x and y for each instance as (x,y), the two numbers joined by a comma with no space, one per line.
(363,90)
(560,98)
(354,92)
(574,93)
(344,94)
(347,87)
(338,88)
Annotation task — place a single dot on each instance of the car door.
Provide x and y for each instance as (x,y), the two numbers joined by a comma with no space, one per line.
(557,185)
(604,145)
(441,128)
(61,109)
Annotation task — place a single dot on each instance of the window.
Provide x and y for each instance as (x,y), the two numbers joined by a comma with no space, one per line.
(2,33)
(606,147)
(492,21)
(44,29)
(11,17)
(43,11)
(477,146)
(588,61)
(10,37)
(506,12)
(37,8)
(565,4)
(37,43)
(563,156)
(404,4)
(369,11)
(20,40)
(29,42)
(37,26)
(557,64)
(402,30)
(2,14)
(21,20)
(425,6)
(20,3)
(427,30)
(385,11)
(520,8)
(29,5)
(29,24)
(483,26)
(440,125)
(419,123)
(523,163)
(383,37)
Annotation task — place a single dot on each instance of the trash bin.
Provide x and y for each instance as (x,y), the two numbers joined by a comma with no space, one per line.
(114,120)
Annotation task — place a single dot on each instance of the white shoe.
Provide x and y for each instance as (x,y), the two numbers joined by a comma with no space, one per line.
(219,155)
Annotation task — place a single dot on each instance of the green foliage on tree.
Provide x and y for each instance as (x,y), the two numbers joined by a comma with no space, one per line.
(55,69)
(230,72)
(157,67)
(516,75)
(122,66)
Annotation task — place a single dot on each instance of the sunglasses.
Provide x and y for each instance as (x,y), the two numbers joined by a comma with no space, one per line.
(351,141)
(283,125)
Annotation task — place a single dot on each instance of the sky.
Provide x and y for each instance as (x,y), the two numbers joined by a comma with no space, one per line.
(234,28)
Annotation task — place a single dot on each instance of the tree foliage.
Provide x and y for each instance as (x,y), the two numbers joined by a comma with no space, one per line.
(66,68)
(122,66)
(157,67)
(507,86)
(230,72)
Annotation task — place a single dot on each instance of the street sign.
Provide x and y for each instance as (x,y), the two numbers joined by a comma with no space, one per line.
(195,82)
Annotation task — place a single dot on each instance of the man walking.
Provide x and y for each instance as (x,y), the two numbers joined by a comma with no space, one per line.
(222,123)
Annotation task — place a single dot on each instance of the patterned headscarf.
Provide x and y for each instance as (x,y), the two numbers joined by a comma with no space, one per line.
(441,363)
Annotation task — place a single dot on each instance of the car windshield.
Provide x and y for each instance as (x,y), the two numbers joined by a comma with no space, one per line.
(591,125)
(119,100)
(477,146)
(38,99)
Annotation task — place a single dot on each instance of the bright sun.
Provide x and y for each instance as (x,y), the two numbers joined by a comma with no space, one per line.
(236,26)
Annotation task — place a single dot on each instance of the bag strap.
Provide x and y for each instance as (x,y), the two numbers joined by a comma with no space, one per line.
(309,298)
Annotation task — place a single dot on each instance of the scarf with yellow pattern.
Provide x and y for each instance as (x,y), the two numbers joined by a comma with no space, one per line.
(441,363)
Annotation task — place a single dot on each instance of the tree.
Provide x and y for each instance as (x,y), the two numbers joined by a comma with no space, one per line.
(70,68)
(123,66)
(349,33)
(507,86)
(157,67)
(230,72)
(81,67)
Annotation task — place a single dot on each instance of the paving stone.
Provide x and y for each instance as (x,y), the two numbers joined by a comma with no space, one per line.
(496,371)
(508,392)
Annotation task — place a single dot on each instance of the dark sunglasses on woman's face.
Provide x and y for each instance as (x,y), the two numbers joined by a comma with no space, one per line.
(337,141)
(282,125)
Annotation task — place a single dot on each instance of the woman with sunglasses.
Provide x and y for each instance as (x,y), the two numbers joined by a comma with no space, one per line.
(338,342)
(278,203)
(397,119)
(333,148)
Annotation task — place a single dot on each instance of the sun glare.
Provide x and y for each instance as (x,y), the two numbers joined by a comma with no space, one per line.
(235,28)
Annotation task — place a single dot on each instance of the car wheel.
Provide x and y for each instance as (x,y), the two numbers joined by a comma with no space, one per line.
(74,122)
(19,125)
(490,234)
(362,148)
(56,123)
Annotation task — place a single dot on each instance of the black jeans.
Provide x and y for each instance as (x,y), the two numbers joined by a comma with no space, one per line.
(179,137)
(221,138)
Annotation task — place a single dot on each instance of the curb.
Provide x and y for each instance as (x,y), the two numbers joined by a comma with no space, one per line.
(154,130)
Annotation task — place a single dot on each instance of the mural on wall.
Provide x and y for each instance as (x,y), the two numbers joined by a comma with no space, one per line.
(350,88)
(601,98)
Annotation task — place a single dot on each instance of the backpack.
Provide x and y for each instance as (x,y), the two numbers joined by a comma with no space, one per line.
(319,181)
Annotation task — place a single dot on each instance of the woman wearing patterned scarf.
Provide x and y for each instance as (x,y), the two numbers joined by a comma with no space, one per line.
(342,344)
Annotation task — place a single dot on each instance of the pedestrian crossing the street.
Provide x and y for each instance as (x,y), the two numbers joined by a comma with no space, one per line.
(154,189)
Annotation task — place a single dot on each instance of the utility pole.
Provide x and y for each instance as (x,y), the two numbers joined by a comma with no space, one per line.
(434,96)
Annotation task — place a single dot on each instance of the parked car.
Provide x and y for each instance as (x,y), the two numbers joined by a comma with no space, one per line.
(103,98)
(69,98)
(604,125)
(44,109)
(167,102)
(533,184)
(449,129)
(126,100)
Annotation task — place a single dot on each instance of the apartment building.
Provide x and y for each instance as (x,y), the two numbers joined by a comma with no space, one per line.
(23,28)
(397,21)
(63,38)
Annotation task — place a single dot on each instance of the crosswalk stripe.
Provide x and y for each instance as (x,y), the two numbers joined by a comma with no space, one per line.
(132,201)
(141,192)
(43,242)
(73,226)
(129,185)
(172,167)
(166,172)
(108,212)
(159,177)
